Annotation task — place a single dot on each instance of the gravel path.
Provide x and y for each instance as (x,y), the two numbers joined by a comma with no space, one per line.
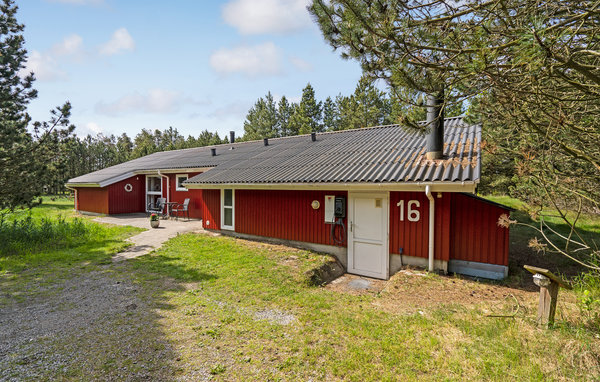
(153,238)
(96,321)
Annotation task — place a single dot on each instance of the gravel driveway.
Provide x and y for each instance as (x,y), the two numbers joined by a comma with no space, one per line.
(96,321)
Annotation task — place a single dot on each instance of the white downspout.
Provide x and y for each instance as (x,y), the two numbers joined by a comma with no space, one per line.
(431,226)
(166,177)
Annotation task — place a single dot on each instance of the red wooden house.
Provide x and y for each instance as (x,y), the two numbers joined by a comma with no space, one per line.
(375,197)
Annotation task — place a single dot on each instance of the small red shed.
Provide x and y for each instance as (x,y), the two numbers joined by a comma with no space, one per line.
(373,197)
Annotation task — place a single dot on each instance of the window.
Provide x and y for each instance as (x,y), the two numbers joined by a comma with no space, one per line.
(180,178)
(227,209)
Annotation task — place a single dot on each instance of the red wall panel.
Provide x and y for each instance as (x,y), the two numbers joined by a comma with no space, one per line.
(475,234)
(211,209)
(122,202)
(195,195)
(413,237)
(92,199)
(283,214)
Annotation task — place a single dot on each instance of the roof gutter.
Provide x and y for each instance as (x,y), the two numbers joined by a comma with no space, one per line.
(448,186)
(166,177)
(431,226)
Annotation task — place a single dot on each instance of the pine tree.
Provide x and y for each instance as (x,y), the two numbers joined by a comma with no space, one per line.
(262,120)
(284,113)
(309,112)
(124,148)
(330,115)
(24,156)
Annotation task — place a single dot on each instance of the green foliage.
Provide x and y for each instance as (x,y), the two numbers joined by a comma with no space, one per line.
(307,116)
(25,157)
(587,287)
(25,235)
(284,113)
(262,120)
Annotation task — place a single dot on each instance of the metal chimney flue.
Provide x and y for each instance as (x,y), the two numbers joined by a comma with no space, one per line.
(232,137)
(435,126)
(313,136)
(266,141)
(213,152)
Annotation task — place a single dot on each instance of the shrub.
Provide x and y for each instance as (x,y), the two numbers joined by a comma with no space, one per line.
(587,288)
(27,235)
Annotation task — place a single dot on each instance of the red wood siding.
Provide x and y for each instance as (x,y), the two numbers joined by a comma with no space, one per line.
(211,209)
(284,215)
(413,237)
(475,234)
(123,202)
(195,195)
(92,199)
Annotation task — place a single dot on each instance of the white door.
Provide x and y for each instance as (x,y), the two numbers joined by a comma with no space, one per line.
(368,238)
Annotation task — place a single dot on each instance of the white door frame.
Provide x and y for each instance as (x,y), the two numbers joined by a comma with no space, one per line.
(385,273)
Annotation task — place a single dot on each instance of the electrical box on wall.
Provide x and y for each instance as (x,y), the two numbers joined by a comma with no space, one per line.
(329,208)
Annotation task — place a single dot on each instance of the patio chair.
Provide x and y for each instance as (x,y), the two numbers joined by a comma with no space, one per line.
(158,207)
(183,208)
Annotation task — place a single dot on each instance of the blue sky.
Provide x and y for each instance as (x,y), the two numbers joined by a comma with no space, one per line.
(194,65)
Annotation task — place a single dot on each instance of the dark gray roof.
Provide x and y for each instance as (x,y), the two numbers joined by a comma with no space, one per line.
(370,155)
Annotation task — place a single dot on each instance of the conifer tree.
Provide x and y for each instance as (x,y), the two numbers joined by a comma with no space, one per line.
(309,112)
(262,119)
(330,115)
(24,155)
(284,113)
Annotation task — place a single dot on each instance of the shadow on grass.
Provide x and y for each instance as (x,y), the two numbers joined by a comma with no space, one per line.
(162,265)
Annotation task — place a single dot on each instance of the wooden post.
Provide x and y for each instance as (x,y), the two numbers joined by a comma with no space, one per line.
(547,307)
(549,284)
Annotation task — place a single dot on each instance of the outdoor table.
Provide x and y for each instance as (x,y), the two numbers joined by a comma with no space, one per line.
(169,208)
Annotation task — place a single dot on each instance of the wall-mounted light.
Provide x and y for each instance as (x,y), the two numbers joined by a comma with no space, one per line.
(315,204)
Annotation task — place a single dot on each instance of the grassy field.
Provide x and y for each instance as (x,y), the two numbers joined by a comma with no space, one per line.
(212,307)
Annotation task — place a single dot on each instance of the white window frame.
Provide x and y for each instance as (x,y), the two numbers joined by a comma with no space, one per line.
(232,226)
(177,182)
(149,192)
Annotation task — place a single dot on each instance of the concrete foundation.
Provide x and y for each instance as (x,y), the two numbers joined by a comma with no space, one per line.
(398,261)
(341,253)
(475,269)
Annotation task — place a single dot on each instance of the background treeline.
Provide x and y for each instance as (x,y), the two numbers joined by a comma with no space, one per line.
(367,106)
(74,156)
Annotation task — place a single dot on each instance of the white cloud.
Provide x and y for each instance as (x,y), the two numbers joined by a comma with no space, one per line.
(120,41)
(300,64)
(44,66)
(267,16)
(70,46)
(93,127)
(234,110)
(257,60)
(155,101)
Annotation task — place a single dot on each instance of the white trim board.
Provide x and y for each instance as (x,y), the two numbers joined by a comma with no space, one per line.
(468,187)
(232,226)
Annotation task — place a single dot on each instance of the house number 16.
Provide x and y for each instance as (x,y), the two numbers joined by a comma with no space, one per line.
(413,214)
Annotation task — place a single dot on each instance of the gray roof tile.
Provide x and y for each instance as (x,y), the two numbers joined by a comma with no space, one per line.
(371,155)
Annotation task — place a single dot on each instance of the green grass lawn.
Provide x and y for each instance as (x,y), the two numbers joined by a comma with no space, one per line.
(228,309)
(32,255)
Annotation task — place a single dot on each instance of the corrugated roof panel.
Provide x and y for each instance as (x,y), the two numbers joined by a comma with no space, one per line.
(369,155)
